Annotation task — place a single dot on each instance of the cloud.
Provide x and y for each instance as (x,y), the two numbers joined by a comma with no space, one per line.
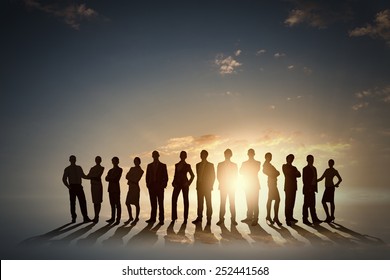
(279,55)
(318,14)
(227,65)
(377,94)
(290,67)
(260,52)
(71,14)
(237,52)
(379,29)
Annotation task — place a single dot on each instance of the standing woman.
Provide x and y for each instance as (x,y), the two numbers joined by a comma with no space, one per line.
(95,175)
(181,183)
(133,177)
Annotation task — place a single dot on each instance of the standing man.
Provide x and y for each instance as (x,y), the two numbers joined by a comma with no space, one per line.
(227,172)
(309,177)
(250,170)
(156,182)
(113,177)
(291,174)
(95,175)
(72,180)
(205,177)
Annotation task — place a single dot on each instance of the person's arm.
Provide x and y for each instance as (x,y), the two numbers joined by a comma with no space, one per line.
(192,175)
(339,179)
(212,176)
(322,177)
(165,176)
(297,173)
(65,178)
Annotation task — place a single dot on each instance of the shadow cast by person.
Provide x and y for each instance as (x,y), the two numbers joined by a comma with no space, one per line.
(232,236)
(46,237)
(311,237)
(92,238)
(363,238)
(147,237)
(179,239)
(287,236)
(74,235)
(260,236)
(335,237)
(204,236)
(117,238)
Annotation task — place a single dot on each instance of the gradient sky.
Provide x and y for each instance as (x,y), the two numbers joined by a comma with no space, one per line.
(124,78)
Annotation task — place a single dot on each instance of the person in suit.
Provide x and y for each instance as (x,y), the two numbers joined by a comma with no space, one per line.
(71,178)
(291,174)
(156,182)
(113,177)
(133,177)
(227,172)
(95,175)
(273,192)
(309,178)
(330,187)
(205,177)
(181,183)
(250,169)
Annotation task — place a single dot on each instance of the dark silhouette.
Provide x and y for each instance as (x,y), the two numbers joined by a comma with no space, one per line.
(204,236)
(117,238)
(179,239)
(92,238)
(95,175)
(227,172)
(133,177)
(72,180)
(309,176)
(156,182)
(250,170)
(181,183)
(291,174)
(273,193)
(147,237)
(330,186)
(205,177)
(113,177)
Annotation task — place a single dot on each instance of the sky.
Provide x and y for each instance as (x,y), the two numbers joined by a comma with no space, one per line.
(125,78)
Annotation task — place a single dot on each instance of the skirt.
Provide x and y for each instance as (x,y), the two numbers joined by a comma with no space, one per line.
(328,195)
(133,195)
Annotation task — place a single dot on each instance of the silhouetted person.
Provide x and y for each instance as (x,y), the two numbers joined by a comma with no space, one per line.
(291,174)
(273,193)
(95,175)
(227,172)
(156,182)
(205,177)
(328,196)
(72,180)
(181,183)
(309,177)
(250,169)
(113,177)
(133,177)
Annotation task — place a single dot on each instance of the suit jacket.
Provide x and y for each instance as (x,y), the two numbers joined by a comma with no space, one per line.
(309,178)
(291,174)
(113,177)
(227,173)
(205,176)
(180,178)
(250,170)
(156,176)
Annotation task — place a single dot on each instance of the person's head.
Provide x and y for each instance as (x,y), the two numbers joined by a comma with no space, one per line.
(331,163)
(310,159)
(251,153)
(228,154)
(290,158)
(268,156)
(98,160)
(72,159)
(183,155)
(137,161)
(204,154)
(115,161)
(155,155)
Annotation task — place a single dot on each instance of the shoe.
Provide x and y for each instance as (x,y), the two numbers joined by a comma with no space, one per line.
(220,222)
(328,220)
(128,221)
(161,223)
(150,221)
(276,220)
(197,220)
(246,220)
(73,220)
(135,222)
(110,221)
(87,220)
(289,223)
(233,222)
(294,220)
(254,223)
(95,220)
(332,218)
(185,221)
(306,222)
(208,222)
(117,222)
(317,221)
(268,219)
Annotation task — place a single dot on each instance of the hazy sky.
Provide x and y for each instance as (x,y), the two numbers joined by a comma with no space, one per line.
(122,78)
